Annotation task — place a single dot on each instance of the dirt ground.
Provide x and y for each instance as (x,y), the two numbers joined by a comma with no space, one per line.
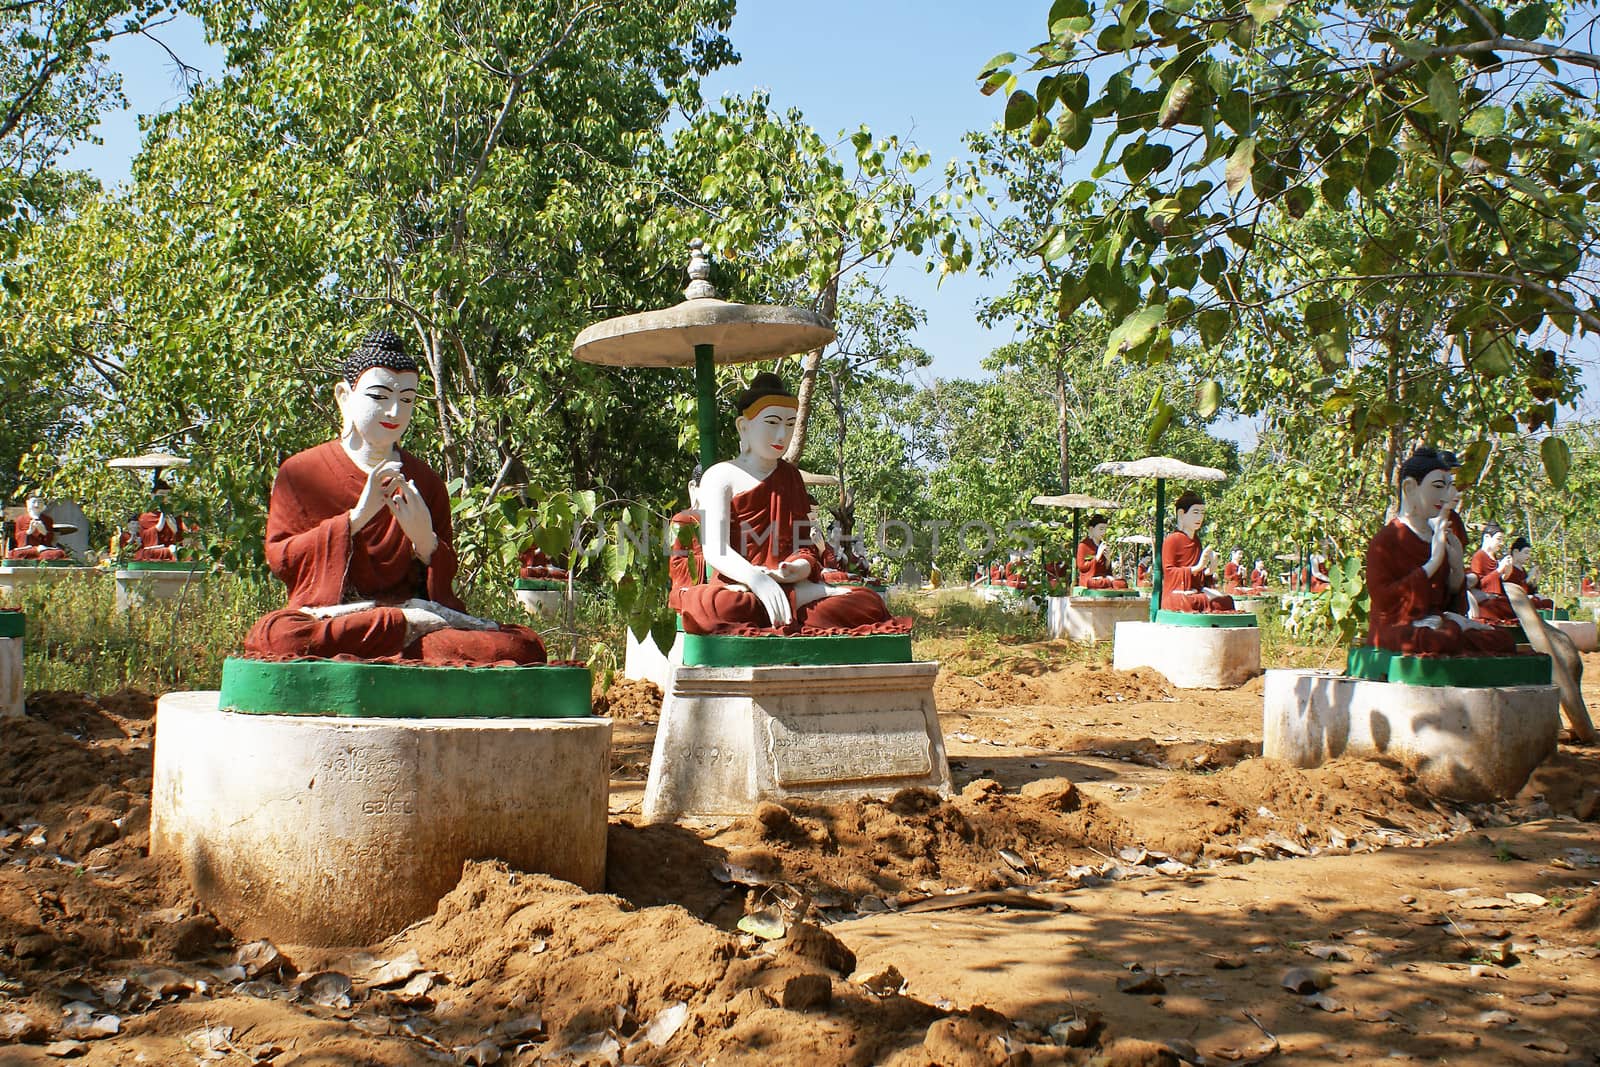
(1119,879)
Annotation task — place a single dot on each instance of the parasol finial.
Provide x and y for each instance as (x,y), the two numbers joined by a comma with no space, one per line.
(700,287)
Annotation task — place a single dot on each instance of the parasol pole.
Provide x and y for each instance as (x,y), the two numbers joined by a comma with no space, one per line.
(705,384)
(1155,551)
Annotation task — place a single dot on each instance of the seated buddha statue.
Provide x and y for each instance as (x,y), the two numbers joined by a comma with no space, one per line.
(1258,576)
(757,537)
(1188,578)
(35,534)
(1490,566)
(1525,573)
(1408,571)
(535,564)
(1094,557)
(359,529)
(160,533)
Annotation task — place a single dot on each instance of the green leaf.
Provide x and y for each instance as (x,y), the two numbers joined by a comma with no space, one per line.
(1158,425)
(1135,330)
(1020,110)
(1215,323)
(1445,96)
(1557,459)
(1529,22)
(1486,122)
(1209,398)
(1473,457)
(1492,356)
(1177,100)
(998,62)
(1239,165)
(1264,11)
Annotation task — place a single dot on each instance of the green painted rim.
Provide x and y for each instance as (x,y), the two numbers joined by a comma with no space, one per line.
(1103,594)
(12,623)
(401,691)
(22,564)
(176,567)
(1556,615)
(715,650)
(540,585)
(1215,620)
(1463,672)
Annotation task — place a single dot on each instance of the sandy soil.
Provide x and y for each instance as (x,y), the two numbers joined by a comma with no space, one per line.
(1119,879)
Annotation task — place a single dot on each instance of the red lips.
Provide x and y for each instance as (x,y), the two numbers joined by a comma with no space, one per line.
(390,425)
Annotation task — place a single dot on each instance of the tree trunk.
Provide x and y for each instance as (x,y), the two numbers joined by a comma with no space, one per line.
(1063,438)
(808,373)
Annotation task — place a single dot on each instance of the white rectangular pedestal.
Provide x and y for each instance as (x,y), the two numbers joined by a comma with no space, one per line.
(1190,657)
(11,661)
(1090,620)
(1469,744)
(1583,634)
(644,661)
(137,587)
(14,580)
(732,736)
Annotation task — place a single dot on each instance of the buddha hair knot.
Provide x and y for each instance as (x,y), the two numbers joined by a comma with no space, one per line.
(379,348)
(765,389)
(1188,500)
(1424,461)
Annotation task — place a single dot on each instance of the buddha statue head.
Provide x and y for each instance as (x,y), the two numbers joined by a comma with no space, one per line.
(1521,553)
(1098,526)
(1237,557)
(1427,484)
(766,419)
(377,392)
(35,506)
(1494,539)
(1191,512)
(1261,565)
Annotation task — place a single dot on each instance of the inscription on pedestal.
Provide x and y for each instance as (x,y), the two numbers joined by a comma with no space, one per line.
(852,747)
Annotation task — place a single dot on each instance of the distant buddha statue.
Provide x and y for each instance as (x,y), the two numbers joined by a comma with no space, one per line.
(1408,570)
(1525,573)
(536,565)
(1188,578)
(360,531)
(1258,575)
(160,533)
(1490,566)
(1094,557)
(35,534)
(756,535)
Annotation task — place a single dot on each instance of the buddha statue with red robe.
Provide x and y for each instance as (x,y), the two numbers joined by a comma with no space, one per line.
(359,530)
(1188,578)
(1587,586)
(1490,566)
(1258,576)
(1094,557)
(757,537)
(35,534)
(160,533)
(1525,573)
(537,565)
(1409,574)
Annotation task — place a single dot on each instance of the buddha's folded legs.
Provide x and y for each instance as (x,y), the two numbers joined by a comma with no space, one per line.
(36,552)
(509,645)
(367,634)
(1195,601)
(1446,639)
(716,608)
(844,611)
(1105,583)
(1493,608)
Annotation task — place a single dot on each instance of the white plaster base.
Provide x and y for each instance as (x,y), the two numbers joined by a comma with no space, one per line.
(540,603)
(1253,604)
(1090,620)
(11,661)
(1583,634)
(732,736)
(1465,744)
(644,661)
(329,831)
(15,580)
(1190,657)
(135,588)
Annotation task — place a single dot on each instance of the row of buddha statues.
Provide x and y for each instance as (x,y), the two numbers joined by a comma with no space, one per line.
(151,536)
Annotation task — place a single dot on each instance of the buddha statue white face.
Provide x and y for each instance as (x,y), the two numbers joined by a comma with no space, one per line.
(1522,556)
(1191,520)
(1097,532)
(378,408)
(35,506)
(1238,556)
(764,437)
(1494,542)
(1425,500)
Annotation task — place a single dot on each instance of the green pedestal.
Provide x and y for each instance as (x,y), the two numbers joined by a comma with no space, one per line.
(1466,672)
(1217,620)
(401,691)
(704,650)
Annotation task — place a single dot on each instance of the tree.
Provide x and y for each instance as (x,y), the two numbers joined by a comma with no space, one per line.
(1217,120)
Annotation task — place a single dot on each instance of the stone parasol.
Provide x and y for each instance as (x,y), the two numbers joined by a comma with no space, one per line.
(154,462)
(1078,502)
(702,332)
(1160,468)
(811,478)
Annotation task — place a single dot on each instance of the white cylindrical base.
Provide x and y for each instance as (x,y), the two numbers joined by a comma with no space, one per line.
(11,661)
(135,588)
(329,831)
(1190,657)
(541,603)
(1090,620)
(1583,634)
(643,660)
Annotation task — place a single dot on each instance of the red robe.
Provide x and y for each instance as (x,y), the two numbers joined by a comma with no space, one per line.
(771,525)
(1519,577)
(1492,603)
(158,541)
(1258,579)
(1232,577)
(1402,593)
(1587,587)
(310,546)
(1181,587)
(1094,572)
(535,564)
(686,565)
(35,545)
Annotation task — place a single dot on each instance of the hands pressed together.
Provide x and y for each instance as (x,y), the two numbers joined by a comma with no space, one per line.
(388,487)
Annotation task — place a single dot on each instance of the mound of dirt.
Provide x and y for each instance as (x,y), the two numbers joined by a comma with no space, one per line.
(1031,681)
(632,699)
(915,842)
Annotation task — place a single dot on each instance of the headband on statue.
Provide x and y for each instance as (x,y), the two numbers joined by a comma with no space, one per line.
(766,390)
(380,348)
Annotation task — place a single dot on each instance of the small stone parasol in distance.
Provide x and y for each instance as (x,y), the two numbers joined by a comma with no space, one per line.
(1078,502)
(1160,468)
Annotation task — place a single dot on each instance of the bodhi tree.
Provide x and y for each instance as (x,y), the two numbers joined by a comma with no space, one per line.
(1456,138)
